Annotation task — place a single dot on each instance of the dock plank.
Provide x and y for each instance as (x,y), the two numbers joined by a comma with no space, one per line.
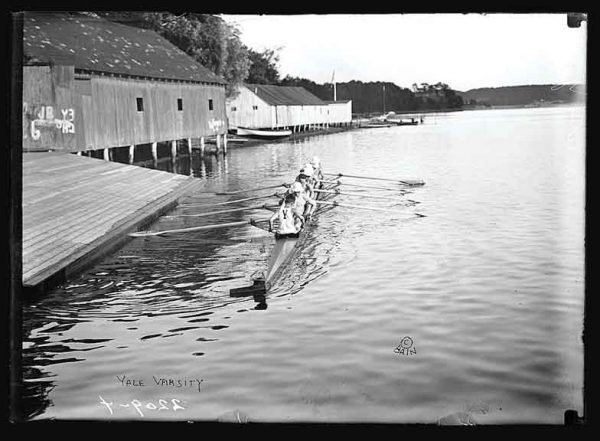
(63,217)
(74,206)
(75,259)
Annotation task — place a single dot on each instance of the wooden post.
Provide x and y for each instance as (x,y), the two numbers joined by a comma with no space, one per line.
(155,151)
(79,153)
(189,142)
(202,145)
(131,153)
(218,143)
(106,154)
(224,143)
(202,166)
(173,149)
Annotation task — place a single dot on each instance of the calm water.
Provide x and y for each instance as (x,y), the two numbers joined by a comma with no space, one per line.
(489,287)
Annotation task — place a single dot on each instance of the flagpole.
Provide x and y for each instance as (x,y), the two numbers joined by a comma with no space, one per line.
(334,89)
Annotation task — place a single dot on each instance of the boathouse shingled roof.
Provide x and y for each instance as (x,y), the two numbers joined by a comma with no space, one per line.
(284,95)
(95,44)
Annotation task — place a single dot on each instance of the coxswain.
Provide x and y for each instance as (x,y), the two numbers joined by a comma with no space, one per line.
(290,218)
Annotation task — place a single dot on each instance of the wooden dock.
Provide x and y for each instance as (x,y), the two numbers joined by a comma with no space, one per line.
(76,209)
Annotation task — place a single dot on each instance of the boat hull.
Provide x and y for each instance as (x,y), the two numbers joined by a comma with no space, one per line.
(263,134)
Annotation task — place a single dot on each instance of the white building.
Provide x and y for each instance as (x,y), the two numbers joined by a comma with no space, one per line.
(260,106)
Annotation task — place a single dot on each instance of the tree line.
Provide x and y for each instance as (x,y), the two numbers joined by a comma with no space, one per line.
(525,95)
(217,45)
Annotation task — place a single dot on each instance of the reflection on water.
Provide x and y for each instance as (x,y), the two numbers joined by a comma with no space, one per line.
(488,286)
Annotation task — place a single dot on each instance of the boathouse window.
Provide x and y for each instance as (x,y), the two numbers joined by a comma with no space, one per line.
(233,109)
(254,107)
(210,104)
(140,104)
(179,103)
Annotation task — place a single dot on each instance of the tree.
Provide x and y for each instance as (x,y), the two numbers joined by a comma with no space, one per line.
(263,67)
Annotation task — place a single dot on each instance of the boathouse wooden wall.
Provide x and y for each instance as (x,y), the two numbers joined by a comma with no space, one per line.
(68,112)
(340,111)
(248,110)
(51,108)
(287,116)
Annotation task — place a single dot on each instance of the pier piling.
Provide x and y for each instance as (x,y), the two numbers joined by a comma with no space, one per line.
(174,149)
(154,152)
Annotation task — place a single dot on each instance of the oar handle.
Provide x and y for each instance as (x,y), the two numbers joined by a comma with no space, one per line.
(229,193)
(232,202)
(211,213)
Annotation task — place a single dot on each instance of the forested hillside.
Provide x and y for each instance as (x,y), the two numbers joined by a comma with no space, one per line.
(525,95)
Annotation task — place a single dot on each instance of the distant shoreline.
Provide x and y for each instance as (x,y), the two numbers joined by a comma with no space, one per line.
(525,106)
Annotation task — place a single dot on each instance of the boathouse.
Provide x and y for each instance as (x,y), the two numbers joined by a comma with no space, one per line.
(90,84)
(260,106)
(340,112)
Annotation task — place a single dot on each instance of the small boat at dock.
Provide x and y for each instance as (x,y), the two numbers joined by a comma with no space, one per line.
(405,121)
(262,133)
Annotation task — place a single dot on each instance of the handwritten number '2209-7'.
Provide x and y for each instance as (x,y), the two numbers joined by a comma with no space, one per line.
(138,405)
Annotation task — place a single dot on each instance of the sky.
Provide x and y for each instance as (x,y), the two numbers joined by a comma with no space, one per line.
(465,51)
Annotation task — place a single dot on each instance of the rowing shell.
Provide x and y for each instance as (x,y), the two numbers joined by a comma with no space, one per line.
(283,251)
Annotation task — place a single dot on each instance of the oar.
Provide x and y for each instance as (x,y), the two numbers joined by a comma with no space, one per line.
(232,210)
(361,186)
(337,204)
(232,202)
(401,181)
(187,230)
(226,193)
(349,193)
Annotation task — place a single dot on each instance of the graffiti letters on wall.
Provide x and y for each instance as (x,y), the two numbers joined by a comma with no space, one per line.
(215,124)
(38,118)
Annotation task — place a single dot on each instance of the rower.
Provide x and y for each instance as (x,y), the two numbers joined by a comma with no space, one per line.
(290,218)
(318,171)
(306,179)
(304,201)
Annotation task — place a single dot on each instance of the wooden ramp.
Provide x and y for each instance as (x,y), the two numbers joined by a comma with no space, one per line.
(75,207)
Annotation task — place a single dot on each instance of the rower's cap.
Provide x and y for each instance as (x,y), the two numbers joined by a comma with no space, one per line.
(307,170)
(296,187)
(316,161)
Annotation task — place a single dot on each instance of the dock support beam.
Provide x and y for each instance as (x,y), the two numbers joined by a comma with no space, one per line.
(106,153)
(174,149)
(224,143)
(218,143)
(189,143)
(154,151)
(202,145)
(131,153)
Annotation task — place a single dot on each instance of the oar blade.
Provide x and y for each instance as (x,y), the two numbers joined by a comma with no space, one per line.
(409,182)
(364,207)
(190,229)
